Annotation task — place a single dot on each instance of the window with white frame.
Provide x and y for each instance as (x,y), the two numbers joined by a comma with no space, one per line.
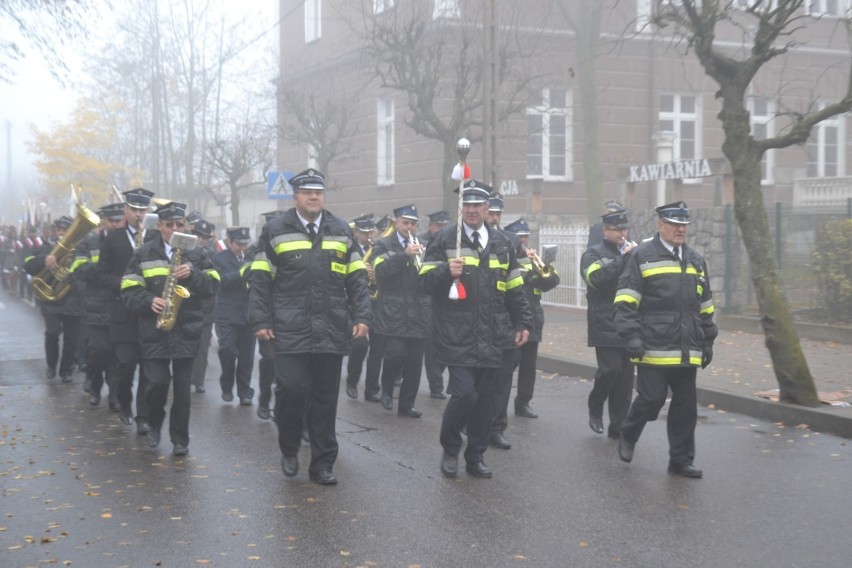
(833,8)
(380,6)
(681,114)
(313,20)
(762,5)
(446,9)
(385,140)
(825,152)
(762,114)
(549,128)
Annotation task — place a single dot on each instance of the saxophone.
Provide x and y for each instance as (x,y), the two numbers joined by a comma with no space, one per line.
(173,293)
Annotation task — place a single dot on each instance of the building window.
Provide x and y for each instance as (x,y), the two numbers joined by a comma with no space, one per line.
(313,20)
(549,136)
(446,9)
(380,6)
(762,6)
(681,114)
(762,113)
(385,138)
(825,148)
(833,8)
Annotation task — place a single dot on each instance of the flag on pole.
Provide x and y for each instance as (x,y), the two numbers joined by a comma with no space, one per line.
(461,172)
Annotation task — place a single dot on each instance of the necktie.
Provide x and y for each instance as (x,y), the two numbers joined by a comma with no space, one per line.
(405,243)
(312,230)
(676,252)
(476,244)
(240,258)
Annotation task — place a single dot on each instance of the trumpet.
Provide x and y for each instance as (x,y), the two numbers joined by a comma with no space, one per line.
(544,269)
(625,244)
(418,258)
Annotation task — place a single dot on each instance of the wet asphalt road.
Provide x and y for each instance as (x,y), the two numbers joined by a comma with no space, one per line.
(81,489)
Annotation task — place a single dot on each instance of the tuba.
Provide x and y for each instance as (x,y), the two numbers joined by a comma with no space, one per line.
(53,285)
(173,293)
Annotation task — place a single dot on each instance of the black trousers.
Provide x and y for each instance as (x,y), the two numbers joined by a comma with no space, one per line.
(236,355)
(403,355)
(82,344)
(160,377)
(374,364)
(66,326)
(308,382)
(652,386)
(504,390)
(613,385)
(355,363)
(266,371)
(127,358)
(526,363)
(100,358)
(434,369)
(199,366)
(473,403)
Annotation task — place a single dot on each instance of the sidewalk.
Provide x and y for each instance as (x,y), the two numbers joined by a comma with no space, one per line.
(741,367)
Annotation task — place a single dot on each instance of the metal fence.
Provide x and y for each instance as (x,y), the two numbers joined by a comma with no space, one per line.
(572,241)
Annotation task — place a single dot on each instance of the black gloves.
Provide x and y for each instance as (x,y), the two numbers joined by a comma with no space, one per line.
(634,348)
(707,356)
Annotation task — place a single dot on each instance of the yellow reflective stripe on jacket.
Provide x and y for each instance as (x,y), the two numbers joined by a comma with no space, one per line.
(513,283)
(470,260)
(666,267)
(243,269)
(78,262)
(213,273)
(328,244)
(131,280)
(670,358)
(260,265)
(29,258)
(355,265)
(96,258)
(154,272)
(427,266)
(628,296)
(494,263)
(379,259)
(291,246)
(707,307)
(593,267)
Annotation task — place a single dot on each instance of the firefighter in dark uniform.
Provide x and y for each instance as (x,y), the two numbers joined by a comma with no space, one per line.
(535,284)
(116,251)
(266,365)
(434,370)
(61,317)
(205,231)
(236,339)
(471,333)
(167,356)
(364,229)
(664,314)
(317,302)
(596,230)
(601,267)
(401,311)
(95,304)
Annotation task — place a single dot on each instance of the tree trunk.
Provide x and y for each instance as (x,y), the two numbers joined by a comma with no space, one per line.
(588,34)
(791,369)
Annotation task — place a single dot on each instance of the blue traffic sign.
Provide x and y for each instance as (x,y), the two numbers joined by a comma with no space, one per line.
(277,186)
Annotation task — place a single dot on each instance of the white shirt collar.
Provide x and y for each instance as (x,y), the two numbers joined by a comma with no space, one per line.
(305,222)
(483,234)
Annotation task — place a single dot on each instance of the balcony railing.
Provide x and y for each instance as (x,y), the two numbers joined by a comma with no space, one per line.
(822,192)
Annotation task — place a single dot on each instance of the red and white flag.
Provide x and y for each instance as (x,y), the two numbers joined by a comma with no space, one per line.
(461,172)
(220,245)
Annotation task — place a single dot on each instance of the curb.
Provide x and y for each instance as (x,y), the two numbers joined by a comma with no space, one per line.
(817,419)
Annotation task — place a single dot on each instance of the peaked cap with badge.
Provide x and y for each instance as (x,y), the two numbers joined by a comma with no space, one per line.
(519,227)
(308,179)
(112,211)
(171,210)
(676,213)
(406,212)
(475,192)
(139,198)
(364,223)
(616,219)
(239,235)
(439,217)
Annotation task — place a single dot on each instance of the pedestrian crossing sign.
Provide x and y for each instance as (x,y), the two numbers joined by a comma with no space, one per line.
(277,185)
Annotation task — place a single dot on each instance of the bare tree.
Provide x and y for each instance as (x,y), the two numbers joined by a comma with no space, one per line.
(771,30)
(241,161)
(44,27)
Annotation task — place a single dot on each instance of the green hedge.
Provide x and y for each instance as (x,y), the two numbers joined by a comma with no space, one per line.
(833,268)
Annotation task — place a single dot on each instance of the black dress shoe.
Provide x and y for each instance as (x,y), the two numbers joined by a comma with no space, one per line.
(125,416)
(478,469)
(687,470)
(387,402)
(50,373)
(596,424)
(410,413)
(323,477)
(153,438)
(142,426)
(65,377)
(245,401)
(449,465)
(290,465)
(263,412)
(180,450)
(372,397)
(200,389)
(625,450)
(499,441)
(525,411)
(438,394)
(615,435)
(228,396)
(94,399)
(351,392)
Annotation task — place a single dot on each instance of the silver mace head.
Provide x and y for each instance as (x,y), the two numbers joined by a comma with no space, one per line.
(463,147)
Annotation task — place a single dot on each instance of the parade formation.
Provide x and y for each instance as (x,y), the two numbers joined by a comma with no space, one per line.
(135,292)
